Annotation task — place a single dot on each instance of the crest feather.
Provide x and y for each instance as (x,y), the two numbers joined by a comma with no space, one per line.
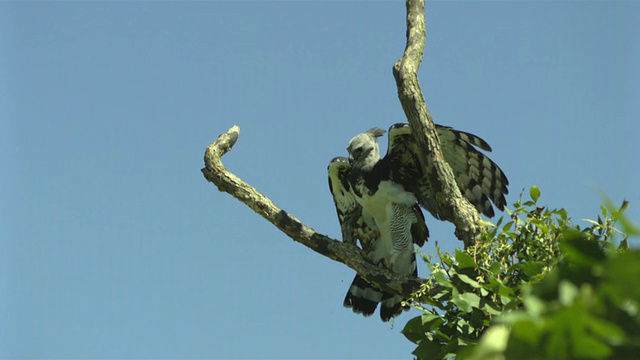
(376,132)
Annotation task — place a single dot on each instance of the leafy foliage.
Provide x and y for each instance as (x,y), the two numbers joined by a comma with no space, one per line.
(534,287)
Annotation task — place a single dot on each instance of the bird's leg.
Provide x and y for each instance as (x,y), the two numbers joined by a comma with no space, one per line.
(366,237)
(388,262)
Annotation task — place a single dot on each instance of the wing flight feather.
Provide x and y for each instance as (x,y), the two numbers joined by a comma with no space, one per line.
(480,180)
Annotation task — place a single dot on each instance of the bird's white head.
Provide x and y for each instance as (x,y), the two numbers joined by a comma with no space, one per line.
(363,148)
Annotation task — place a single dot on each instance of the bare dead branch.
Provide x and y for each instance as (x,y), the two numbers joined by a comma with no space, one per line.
(348,254)
(453,206)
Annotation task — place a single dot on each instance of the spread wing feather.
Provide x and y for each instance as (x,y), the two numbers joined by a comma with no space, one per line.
(480,180)
(348,209)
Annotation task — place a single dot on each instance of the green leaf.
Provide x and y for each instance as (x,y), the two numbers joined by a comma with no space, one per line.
(534,305)
(534,192)
(507,226)
(467,280)
(588,347)
(460,303)
(442,279)
(427,318)
(414,330)
(604,210)
(445,257)
(622,272)
(524,342)
(530,268)
(466,301)
(540,224)
(567,292)
(629,227)
(491,346)
(563,213)
(592,221)
(464,259)
(557,346)
(496,286)
(580,249)
(484,292)
(489,307)
(471,298)
(431,322)
(428,350)
(527,331)
(495,268)
(606,330)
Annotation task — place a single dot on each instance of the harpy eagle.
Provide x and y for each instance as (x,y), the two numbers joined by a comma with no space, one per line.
(362,297)
(377,200)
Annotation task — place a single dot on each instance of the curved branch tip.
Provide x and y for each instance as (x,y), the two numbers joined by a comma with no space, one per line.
(221,146)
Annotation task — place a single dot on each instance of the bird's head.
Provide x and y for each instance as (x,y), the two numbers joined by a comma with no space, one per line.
(363,147)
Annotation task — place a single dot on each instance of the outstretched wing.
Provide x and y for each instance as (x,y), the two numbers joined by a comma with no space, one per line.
(478,177)
(348,209)
(480,180)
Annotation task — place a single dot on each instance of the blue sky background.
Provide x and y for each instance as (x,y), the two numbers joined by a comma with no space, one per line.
(114,246)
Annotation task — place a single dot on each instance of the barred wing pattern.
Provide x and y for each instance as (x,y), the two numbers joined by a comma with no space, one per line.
(348,209)
(480,180)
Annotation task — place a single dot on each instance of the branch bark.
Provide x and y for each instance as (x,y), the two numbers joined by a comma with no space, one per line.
(453,206)
(348,254)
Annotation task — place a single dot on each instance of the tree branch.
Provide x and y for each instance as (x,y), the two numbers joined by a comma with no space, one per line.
(348,254)
(453,206)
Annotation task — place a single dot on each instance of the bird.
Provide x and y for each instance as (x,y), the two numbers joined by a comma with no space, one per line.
(359,224)
(479,179)
(379,199)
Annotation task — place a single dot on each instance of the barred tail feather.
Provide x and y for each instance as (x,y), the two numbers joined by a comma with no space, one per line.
(391,307)
(363,298)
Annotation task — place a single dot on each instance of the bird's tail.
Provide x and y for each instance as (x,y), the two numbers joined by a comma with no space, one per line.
(363,298)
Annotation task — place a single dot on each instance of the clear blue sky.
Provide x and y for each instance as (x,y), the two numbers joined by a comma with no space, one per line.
(112,243)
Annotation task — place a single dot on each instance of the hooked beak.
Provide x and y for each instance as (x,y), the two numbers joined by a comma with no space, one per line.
(363,155)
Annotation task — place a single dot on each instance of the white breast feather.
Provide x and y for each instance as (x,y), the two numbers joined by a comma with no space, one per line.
(391,201)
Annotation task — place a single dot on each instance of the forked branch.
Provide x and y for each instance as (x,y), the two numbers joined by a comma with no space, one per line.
(454,206)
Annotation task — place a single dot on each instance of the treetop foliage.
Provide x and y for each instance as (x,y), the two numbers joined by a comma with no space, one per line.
(535,286)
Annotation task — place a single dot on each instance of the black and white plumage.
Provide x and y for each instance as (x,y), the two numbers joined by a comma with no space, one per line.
(348,209)
(380,195)
(479,179)
(403,222)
